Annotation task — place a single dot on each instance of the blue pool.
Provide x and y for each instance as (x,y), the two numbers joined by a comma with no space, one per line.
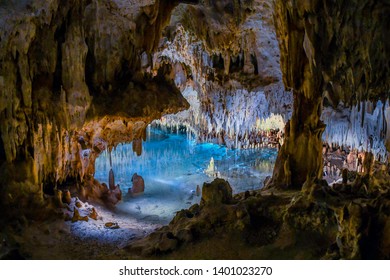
(173,165)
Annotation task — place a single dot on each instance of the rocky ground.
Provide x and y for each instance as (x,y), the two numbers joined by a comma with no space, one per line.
(344,221)
(347,221)
(58,239)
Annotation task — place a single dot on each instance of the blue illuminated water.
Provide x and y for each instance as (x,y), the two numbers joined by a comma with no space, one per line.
(172,166)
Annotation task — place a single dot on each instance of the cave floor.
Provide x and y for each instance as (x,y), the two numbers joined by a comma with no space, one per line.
(59,239)
(66,240)
(328,223)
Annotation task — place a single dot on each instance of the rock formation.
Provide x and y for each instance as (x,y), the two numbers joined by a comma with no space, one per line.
(225,60)
(138,185)
(79,77)
(322,224)
(72,85)
(321,58)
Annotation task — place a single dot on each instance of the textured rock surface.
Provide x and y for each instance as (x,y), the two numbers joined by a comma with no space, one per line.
(79,77)
(217,192)
(322,57)
(72,85)
(225,59)
(352,128)
(324,223)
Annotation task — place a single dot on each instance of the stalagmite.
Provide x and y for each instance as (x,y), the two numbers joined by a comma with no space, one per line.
(387,121)
(58,199)
(198,191)
(210,170)
(76,216)
(138,187)
(137,146)
(67,197)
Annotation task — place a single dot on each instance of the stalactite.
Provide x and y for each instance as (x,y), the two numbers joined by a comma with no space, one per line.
(110,157)
(219,113)
(346,127)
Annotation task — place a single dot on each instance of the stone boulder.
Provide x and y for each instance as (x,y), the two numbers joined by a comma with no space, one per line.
(217,192)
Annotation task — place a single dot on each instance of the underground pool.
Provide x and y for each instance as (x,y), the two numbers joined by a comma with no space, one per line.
(173,165)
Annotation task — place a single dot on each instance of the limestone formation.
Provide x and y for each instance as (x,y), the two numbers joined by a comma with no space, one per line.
(227,67)
(319,61)
(198,191)
(76,216)
(327,224)
(67,197)
(138,187)
(111,180)
(217,192)
(80,77)
(93,215)
(61,64)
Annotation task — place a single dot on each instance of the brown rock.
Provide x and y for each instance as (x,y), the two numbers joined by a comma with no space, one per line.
(93,215)
(111,179)
(185,235)
(138,185)
(67,197)
(111,225)
(198,191)
(58,199)
(114,195)
(167,243)
(76,216)
(216,192)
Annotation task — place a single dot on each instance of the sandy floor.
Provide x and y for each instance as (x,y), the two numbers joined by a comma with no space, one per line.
(60,239)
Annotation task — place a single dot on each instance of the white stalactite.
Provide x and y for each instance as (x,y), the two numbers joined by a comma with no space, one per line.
(226,113)
(346,127)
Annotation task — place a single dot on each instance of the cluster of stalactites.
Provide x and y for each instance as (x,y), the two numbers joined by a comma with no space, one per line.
(227,114)
(364,127)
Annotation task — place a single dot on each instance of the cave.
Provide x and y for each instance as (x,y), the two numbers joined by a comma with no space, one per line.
(193,129)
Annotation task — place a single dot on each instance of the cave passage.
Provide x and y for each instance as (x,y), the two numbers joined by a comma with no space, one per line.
(172,165)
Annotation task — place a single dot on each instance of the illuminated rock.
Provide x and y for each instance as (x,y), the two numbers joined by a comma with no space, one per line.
(138,187)
(211,170)
(76,216)
(111,225)
(93,215)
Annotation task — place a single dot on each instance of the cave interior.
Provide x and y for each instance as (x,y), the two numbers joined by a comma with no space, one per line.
(194,129)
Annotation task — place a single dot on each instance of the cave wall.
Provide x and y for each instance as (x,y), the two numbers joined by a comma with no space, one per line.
(71,86)
(336,50)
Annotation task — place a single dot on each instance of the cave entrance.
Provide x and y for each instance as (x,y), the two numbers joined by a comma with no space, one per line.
(173,165)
